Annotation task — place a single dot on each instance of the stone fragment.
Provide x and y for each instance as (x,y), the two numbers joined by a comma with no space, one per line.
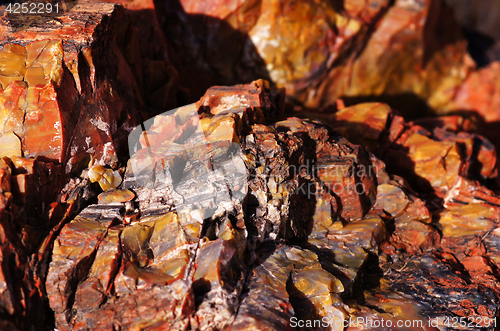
(314,292)
(361,124)
(107,178)
(217,282)
(267,304)
(113,196)
(454,296)
(93,290)
(345,252)
(386,308)
(74,252)
(392,199)
(466,220)
(292,44)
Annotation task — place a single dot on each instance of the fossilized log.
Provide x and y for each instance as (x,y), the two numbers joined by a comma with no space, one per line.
(229,217)
(72,87)
(321,51)
(242,222)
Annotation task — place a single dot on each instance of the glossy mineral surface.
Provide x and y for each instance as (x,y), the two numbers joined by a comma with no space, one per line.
(239,222)
(251,209)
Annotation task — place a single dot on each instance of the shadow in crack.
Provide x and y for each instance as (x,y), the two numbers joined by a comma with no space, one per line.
(479,47)
(303,306)
(207,50)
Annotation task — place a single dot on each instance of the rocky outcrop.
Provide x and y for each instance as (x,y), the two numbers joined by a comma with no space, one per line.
(243,222)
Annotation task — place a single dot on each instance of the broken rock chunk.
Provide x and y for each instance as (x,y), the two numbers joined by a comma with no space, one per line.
(63,83)
(229,219)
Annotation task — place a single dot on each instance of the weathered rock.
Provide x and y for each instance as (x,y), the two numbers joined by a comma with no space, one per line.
(386,310)
(237,215)
(265,303)
(321,51)
(85,91)
(229,216)
(73,85)
(293,44)
(454,295)
(479,94)
(212,187)
(431,160)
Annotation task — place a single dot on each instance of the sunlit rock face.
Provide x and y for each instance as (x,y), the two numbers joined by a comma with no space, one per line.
(230,219)
(73,84)
(69,94)
(230,213)
(324,50)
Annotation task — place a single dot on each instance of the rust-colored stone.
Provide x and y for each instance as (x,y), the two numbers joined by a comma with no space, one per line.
(50,80)
(230,214)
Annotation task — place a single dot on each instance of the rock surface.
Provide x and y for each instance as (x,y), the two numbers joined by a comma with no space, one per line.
(235,212)
(410,54)
(74,90)
(266,223)
(72,87)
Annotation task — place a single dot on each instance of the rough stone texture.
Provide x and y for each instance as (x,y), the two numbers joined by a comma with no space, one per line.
(410,54)
(231,214)
(294,44)
(86,81)
(321,50)
(72,87)
(282,236)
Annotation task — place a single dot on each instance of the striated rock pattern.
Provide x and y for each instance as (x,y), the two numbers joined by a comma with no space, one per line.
(75,89)
(325,50)
(230,220)
(72,87)
(410,54)
(231,214)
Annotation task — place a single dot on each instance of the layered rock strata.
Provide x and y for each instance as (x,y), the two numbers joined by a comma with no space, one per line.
(228,219)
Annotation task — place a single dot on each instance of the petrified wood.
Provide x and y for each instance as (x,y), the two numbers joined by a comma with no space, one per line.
(81,81)
(72,87)
(410,54)
(231,214)
(323,50)
(236,221)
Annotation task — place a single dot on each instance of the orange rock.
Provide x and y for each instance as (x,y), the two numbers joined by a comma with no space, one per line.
(5,180)
(44,132)
(12,64)
(480,92)
(107,178)
(115,196)
(466,220)
(23,165)
(63,115)
(480,270)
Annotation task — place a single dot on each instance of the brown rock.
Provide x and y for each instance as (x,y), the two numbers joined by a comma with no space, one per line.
(70,89)
(241,228)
